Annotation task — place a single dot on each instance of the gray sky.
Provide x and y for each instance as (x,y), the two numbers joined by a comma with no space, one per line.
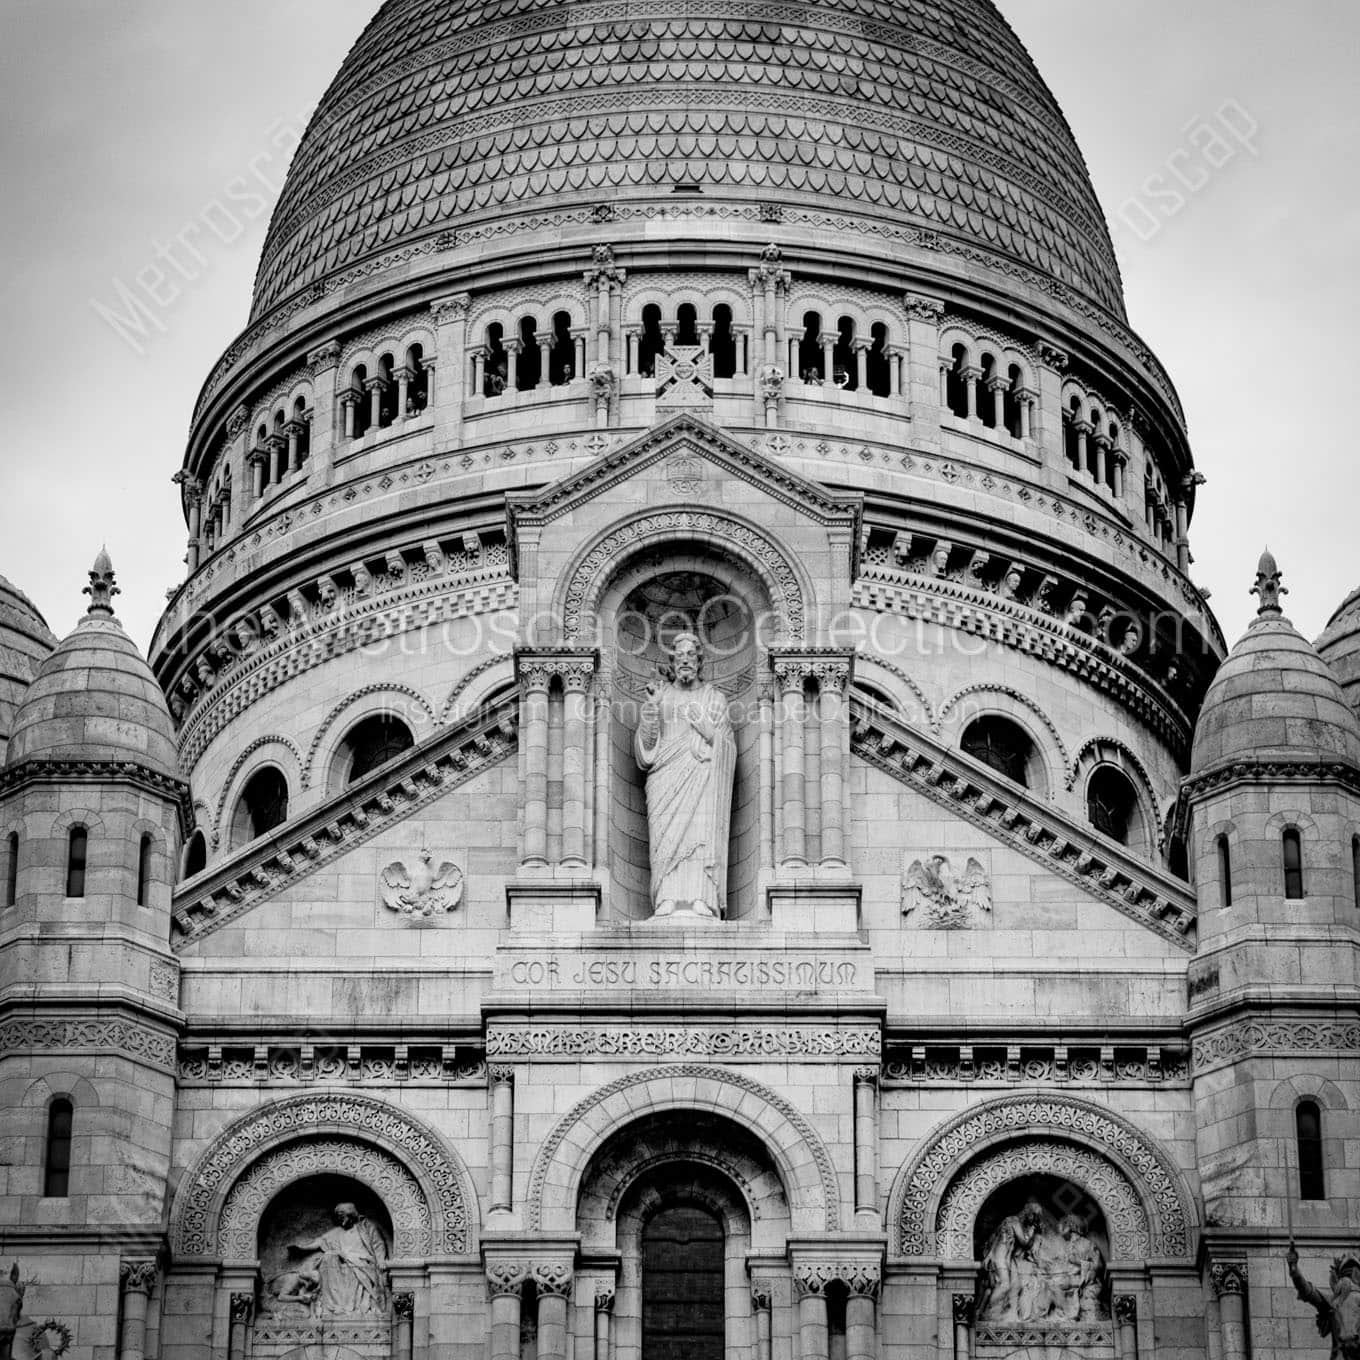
(122,122)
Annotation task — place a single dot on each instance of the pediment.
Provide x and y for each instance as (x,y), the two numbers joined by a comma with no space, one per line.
(678,457)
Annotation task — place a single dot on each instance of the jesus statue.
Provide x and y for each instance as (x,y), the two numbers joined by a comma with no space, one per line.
(685,745)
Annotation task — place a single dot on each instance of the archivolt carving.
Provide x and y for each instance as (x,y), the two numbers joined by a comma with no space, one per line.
(590,575)
(1016,697)
(461,686)
(924,1181)
(1130,1238)
(308,771)
(196,1220)
(229,783)
(238,1229)
(812,1192)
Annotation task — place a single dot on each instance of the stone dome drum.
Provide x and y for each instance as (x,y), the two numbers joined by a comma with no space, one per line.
(449,115)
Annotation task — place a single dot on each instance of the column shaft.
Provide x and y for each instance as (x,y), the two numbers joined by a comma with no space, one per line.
(832,703)
(601,1334)
(866,1144)
(536,773)
(812,1329)
(861,1342)
(574,773)
(505,1326)
(764,1337)
(552,1326)
(792,773)
(545,343)
(502,1139)
(134,1325)
(1233,1323)
(828,361)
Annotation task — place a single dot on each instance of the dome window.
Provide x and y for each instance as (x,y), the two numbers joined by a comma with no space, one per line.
(12,868)
(1002,746)
(528,361)
(1308,1131)
(723,345)
(1111,804)
(374,742)
(651,342)
(1292,853)
(987,402)
(844,361)
(57,1149)
(196,854)
(358,407)
(1011,416)
(263,805)
(561,359)
(1225,872)
(686,325)
(1355,867)
(877,363)
(811,367)
(956,383)
(77,850)
(497,361)
(144,871)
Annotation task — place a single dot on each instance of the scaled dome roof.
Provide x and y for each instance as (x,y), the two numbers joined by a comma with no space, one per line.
(1274,698)
(1339,646)
(94,698)
(25,639)
(926,113)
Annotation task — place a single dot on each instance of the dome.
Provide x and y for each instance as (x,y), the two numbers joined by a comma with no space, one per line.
(25,639)
(1274,698)
(925,114)
(1339,647)
(94,697)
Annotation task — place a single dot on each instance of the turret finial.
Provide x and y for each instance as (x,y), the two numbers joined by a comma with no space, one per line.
(1268,588)
(102,587)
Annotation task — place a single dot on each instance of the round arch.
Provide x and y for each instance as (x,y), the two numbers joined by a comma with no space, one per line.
(799,1155)
(599,562)
(965,1144)
(197,1215)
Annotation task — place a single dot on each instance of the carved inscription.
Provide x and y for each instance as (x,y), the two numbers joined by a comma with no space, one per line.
(584,972)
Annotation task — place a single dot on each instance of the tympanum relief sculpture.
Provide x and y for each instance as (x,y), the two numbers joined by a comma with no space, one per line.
(685,745)
(1039,1272)
(339,1274)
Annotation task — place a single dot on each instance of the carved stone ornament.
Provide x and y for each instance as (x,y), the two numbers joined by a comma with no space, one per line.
(1228,1277)
(138,1277)
(506,1277)
(935,897)
(242,1308)
(1039,1271)
(553,1278)
(963,1310)
(1126,1310)
(684,378)
(770,383)
(423,889)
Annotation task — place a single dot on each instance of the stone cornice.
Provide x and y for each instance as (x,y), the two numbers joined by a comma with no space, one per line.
(1338,774)
(16,777)
(1043,834)
(289,854)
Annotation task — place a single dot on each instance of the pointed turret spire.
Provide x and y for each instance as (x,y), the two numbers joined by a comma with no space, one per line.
(1268,588)
(102,587)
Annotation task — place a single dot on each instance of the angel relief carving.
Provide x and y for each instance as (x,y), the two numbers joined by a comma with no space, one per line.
(423,889)
(935,897)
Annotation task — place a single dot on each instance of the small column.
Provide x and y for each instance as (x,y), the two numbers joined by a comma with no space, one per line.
(963,1326)
(895,362)
(828,361)
(604,1315)
(350,401)
(971,376)
(278,457)
(554,1288)
(1026,398)
(1102,444)
(192,490)
(866,1142)
(534,682)
(1126,1321)
(998,387)
(743,338)
(576,678)
(403,376)
(1182,507)
(242,1312)
(512,349)
(404,1308)
(790,676)
(861,348)
(634,341)
(257,460)
(832,677)
(793,359)
(946,368)
(505,1280)
(545,344)
(1084,431)
(1121,463)
(579,339)
(323,365)
(809,1288)
(861,1313)
(502,1080)
(138,1279)
(479,372)
(294,430)
(375,388)
(765,749)
(1229,1279)
(762,1302)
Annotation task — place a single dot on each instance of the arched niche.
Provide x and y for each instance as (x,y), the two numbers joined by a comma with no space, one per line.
(654,595)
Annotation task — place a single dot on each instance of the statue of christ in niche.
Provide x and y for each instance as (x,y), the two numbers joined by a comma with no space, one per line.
(685,744)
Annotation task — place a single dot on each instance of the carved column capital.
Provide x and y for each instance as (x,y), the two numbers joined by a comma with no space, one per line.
(138,1277)
(242,1308)
(832,674)
(499,1074)
(862,1279)
(604,1299)
(404,1306)
(237,421)
(964,1310)
(762,1298)
(450,309)
(553,1278)
(811,1278)
(506,1277)
(1126,1310)
(923,308)
(866,1076)
(323,357)
(1054,357)
(1228,1277)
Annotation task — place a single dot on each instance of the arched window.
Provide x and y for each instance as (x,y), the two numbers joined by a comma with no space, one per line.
(1071,439)
(1224,871)
(1010,404)
(723,345)
(264,803)
(810,349)
(1110,459)
(529,365)
(844,362)
(956,385)
(77,847)
(497,362)
(878,364)
(57,1149)
(418,385)
(1308,1126)
(1111,804)
(683,1311)
(1355,867)
(651,342)
(143,871)
(374,742)
(986,393)
(12,868)
(1092,457)
(562,358)
(363,405)
(686,324)
(1292,849)
(387,396)
(196,855)
(1002,745)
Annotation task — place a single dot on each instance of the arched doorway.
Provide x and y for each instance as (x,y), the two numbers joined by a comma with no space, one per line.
(683,1312)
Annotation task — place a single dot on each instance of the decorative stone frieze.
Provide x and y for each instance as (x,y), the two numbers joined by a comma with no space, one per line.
(124,1037)
(1237,1040)
(291,1065)
(997,1062)
(680,1041)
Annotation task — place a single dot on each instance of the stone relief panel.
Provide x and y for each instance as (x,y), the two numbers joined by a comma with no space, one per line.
(936,896)
(421,886)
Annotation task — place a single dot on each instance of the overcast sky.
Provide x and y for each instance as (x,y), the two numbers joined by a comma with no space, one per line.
(123,121)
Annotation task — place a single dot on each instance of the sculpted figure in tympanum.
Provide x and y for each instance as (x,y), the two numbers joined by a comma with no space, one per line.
(1041,1273)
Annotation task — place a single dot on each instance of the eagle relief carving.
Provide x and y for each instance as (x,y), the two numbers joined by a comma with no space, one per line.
(423,889)
(935,897)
